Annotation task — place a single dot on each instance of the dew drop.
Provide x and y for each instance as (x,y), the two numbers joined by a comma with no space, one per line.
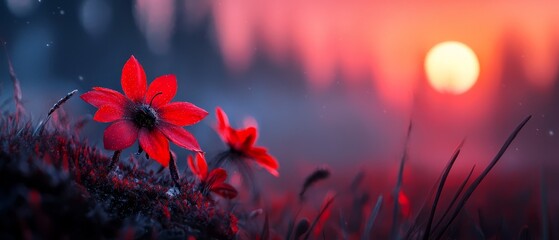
(172,192)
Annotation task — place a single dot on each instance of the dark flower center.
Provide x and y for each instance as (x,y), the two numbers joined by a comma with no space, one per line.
(144,117)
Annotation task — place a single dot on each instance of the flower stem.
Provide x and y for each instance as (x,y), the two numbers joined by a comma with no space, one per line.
(220,159)
(174,171)
(114,159)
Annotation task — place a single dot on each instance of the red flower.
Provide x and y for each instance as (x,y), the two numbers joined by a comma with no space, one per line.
(145,113)
(215,180)
(242,141)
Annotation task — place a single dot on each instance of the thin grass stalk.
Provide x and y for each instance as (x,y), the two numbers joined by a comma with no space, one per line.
(395,213)
(322,211)
(455,197)
(56,106)
(440,190)
(371,221)
(480,178)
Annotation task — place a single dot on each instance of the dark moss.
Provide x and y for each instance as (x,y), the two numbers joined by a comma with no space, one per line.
(54,185)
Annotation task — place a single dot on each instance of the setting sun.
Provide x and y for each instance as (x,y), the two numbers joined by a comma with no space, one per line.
(451,67)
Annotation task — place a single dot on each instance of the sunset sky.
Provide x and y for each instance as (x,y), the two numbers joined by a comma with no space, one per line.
(384,43)
(326,80)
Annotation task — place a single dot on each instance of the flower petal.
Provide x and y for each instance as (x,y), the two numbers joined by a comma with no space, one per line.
(133,80)
(181,113)
(247,137)
(156,145)
(194,168)
(120,135)
(102,96)
(109,113)
(161,90)
(265,160)
(256,151)
(232,138)
(179,136)
(200,168)
(222,123)
(216,177)
(225,190)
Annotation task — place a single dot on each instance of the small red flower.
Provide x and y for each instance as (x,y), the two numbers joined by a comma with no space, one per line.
(145,113)
(241,141)
(215,180)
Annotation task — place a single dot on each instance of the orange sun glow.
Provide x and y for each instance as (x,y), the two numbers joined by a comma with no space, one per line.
(451,67)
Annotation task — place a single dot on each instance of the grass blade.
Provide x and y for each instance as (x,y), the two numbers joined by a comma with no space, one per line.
(371,221)
(291,225)
(302,228)
(480,178)
(318,175)
(17,89)
(357,181)
(455,198)
(265,234)
(440,189)
(56,106)
(396,210)
(322,211)
(343,226)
